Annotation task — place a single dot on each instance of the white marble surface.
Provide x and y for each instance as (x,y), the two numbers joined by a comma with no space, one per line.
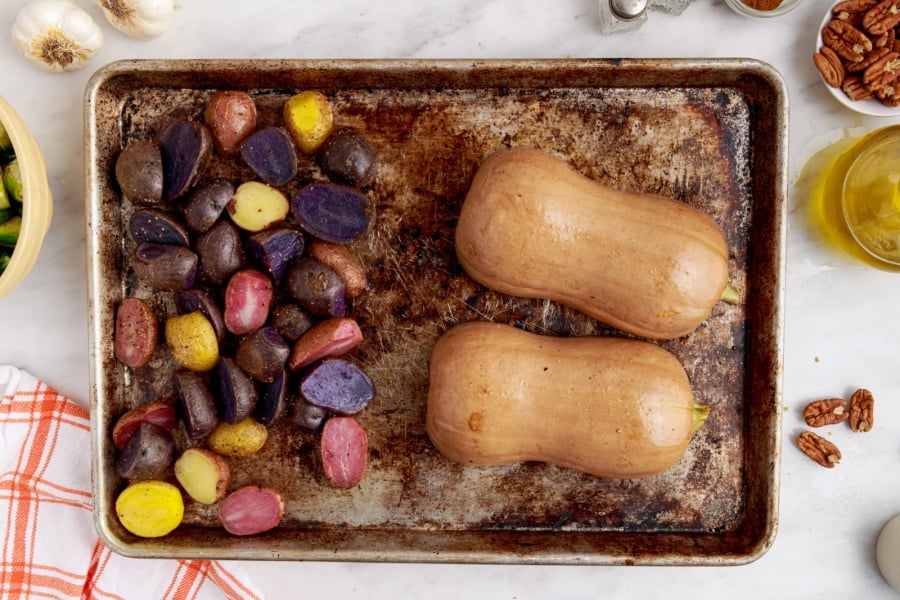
(841,318)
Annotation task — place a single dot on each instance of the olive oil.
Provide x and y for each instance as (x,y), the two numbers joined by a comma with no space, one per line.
(854,197)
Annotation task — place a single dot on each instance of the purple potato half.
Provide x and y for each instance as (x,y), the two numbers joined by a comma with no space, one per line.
(186,147)
(198,405)
(165,267)
(275,250)
(159,227)
(262,354)
(270,152)
(338,386)
(331,212)
(236,394)
(317,288)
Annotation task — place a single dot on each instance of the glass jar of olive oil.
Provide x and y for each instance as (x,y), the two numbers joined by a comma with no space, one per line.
(870,200)
(856,201)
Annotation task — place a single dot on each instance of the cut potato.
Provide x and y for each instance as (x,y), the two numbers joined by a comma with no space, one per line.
(257,206)
(150,508)
(203,475)
(309,119)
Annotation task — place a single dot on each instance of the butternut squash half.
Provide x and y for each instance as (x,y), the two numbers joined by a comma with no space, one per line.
(608,406)
(533,227)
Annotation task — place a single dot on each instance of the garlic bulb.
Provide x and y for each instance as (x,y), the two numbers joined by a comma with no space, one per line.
(57,34)
(140,19)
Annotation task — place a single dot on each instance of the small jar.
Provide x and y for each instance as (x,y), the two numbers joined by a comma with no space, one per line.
(870,196)
(740,7)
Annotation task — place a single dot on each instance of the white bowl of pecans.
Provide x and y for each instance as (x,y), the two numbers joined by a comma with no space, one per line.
(858,55)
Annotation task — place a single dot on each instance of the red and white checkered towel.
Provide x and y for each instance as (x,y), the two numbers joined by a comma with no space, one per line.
(49,546)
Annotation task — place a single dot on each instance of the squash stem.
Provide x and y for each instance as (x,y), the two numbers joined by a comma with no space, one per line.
(730,294)
(701,413)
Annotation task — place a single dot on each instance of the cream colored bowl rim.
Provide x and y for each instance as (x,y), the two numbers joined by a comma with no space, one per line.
(37,205)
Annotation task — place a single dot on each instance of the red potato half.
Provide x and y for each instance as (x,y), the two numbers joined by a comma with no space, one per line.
(137,332)
(248,297)
(329,338)
(157,412)
(250,510)
(344,451)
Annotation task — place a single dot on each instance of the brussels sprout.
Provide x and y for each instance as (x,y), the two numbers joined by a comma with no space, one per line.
(9,231)
(4,203)
(12,180)
(6,146)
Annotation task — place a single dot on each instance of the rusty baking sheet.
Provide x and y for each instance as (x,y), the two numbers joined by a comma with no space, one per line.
(711,133)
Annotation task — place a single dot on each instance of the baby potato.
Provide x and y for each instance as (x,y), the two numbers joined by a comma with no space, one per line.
(192,341)
(243,438)
(309,119)
(339,258)
(204,475)
(139,172)
(349,157)
(257,206)
(270,153)
(231,118)
(150,508)
(136,332)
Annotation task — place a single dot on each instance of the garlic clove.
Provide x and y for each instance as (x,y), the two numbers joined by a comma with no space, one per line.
(56,34)
(139,19)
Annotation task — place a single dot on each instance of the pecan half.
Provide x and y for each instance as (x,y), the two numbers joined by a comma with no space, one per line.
(883,16)
(889,95)
(846,40)
(855,89)
(868,60)
(826,412)
(852,11)
(819,449)
(862,407)
(886,40)
(853,6)
(830,66)
(883,71)
(854,19)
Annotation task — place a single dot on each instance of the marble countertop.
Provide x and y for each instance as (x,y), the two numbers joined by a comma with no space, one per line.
(841,317)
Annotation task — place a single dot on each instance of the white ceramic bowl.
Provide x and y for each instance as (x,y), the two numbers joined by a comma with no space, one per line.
(872,106)
(37,201)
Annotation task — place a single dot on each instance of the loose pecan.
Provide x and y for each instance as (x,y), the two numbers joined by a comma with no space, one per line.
(830,66)
(846,40)
(855,89)
(862,407)
(819,449)
(883,16)
(826,412)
